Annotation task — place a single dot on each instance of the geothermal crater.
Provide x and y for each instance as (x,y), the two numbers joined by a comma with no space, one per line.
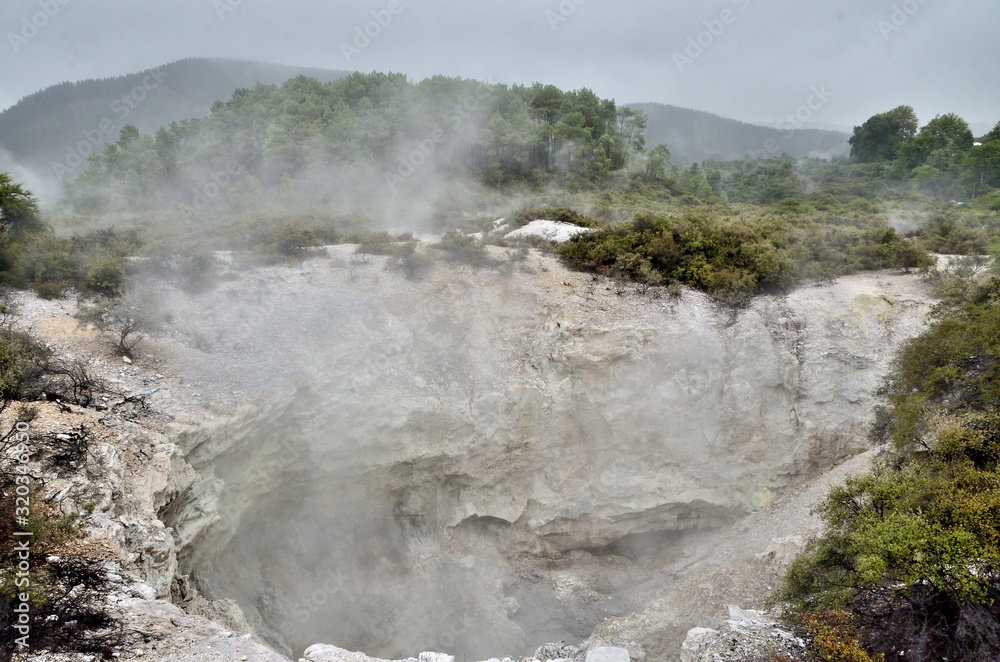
(483,461)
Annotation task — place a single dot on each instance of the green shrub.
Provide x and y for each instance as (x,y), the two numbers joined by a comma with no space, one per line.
(105,277)
(834,638)
(293,240)
(406,258)
(733,259)
(376,243)
(22,361)
(48,290)
(463,249)
(48,259)
(913,547)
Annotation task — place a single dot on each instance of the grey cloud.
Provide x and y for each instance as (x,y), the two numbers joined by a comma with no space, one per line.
(758,68)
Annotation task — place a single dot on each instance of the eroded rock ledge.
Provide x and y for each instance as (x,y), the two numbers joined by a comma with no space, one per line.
(530,439)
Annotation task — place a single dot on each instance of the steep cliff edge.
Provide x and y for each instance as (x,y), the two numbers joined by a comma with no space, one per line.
(482,461)
(525,449)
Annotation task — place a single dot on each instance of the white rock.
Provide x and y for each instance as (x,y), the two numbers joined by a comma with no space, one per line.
(436,657)
(697,640)
(607,654)
(556,231)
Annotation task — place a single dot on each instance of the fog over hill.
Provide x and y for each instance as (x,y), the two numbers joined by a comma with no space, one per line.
(50,133)
(63,123)
(695,136)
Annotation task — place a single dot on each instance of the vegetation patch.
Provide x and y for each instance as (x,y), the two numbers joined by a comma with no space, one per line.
(913,547)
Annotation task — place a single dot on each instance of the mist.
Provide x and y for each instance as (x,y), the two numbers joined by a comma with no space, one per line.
(392,426)
(427,470)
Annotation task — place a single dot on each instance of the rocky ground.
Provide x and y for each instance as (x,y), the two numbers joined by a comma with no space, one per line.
(194,376)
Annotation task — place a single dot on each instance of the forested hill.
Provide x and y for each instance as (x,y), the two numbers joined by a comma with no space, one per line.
(42,127)
(695,136)
(370,130)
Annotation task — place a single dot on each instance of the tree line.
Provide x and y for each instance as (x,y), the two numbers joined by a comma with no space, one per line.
(269,136)
(942,157)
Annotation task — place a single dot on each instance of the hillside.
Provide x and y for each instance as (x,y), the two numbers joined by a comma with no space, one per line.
(695,136)
(45,126)
(48,126)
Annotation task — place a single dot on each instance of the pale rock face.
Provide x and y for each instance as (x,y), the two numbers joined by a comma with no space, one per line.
(748,634)
(556,231)
(698,640)
(326,653)
(124,502)
(607,654)
(505,418)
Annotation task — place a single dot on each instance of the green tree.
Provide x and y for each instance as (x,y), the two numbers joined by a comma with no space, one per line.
(631,135)
(948,134)
(656,162)
(18,208)
(986,163)
(994,134)
(881,136)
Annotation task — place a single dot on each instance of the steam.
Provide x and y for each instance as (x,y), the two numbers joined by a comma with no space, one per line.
(47,190)
(430,460)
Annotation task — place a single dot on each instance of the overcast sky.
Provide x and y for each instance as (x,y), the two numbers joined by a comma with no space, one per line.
(758,60)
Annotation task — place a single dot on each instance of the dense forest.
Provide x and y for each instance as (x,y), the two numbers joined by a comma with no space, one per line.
(375,125)
(314,139)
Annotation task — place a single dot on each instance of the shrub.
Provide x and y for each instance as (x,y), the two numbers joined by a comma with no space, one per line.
(129,319)
(105,277)
(292,240)
(406,258)
(834,638)
(912,548)
(22,361)
(376,243)
(49,290)
(730,258)
(464,249)
(47,259)
(68,597)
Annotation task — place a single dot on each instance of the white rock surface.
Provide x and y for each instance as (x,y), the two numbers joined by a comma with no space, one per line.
(607,654)
(747,635)
(402,428)
(556,231)
(546,408)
